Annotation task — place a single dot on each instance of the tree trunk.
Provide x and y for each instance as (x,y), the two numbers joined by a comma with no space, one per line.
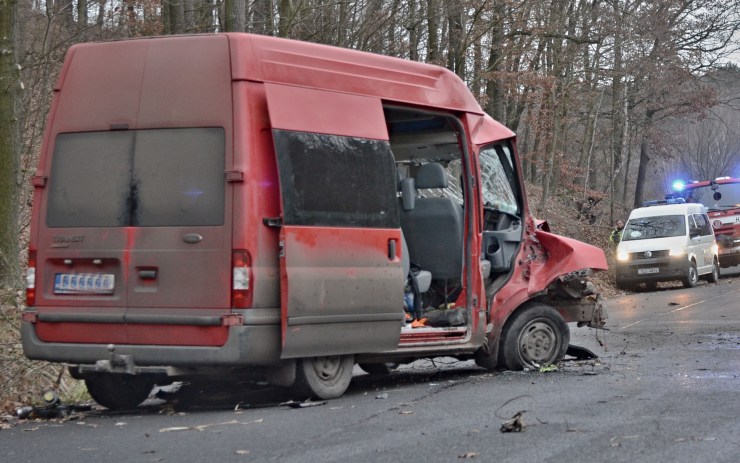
(81,14)
(432,32)
(644,160)
(9,144)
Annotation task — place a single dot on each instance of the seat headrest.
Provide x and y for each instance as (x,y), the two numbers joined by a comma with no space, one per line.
(430,175)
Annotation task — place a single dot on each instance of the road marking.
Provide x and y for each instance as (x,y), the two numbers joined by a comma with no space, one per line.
(678,309)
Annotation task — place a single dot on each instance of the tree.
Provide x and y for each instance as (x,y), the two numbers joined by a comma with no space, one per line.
(9,85)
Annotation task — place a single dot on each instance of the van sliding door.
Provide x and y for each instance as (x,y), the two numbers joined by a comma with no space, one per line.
(341,277)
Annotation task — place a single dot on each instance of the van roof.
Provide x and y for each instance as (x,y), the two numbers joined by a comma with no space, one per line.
(667,209)
(157,62)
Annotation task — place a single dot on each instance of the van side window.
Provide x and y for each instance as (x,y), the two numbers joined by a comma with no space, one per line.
(331,180)
(703,224)
(145,178)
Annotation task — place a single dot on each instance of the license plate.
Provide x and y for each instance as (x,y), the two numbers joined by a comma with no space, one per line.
(84,283)
(643,271)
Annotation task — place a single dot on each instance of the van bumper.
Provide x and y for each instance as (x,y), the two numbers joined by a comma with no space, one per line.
(729,257)
(256,342)
(669,269)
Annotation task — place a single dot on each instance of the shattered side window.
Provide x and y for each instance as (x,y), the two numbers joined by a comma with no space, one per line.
(498,180)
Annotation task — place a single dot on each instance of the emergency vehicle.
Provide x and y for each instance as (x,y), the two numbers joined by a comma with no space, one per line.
(721,197)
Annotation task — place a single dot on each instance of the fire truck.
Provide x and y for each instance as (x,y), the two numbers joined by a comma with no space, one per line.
(721,197)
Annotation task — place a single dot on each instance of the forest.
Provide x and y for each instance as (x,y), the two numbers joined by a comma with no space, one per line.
(610,99)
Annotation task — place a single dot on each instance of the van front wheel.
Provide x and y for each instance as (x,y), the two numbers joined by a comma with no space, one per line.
(534,337)
(119,391)
(323,377)
(692,278)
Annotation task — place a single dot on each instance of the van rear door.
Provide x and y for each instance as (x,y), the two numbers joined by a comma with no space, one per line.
(341,277)
(134,241)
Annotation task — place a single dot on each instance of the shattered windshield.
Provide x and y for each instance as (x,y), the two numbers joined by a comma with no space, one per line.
(724,196)
(654,227)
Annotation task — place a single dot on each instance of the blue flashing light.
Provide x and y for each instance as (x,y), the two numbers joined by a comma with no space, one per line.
(678,185)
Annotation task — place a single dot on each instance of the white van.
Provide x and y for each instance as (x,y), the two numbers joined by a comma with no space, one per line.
(665,242)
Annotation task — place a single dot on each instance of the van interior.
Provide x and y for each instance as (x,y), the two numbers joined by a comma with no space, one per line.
(431,161)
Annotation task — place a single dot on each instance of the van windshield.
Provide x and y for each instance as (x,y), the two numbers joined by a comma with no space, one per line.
(661,226)
(144,178)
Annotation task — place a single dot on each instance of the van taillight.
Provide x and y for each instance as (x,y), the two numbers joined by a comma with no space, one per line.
(31,279)
(241,296)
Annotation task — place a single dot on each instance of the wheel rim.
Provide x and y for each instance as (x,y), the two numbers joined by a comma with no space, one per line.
(327,369)
(538,343)
(692,274)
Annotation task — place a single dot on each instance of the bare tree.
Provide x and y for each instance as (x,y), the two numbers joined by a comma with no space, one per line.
(9,146)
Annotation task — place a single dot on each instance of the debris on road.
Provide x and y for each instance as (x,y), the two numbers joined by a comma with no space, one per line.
(515,424)
(304,404)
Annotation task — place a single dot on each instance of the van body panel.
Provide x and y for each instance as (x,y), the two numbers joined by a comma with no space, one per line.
(258,196)
(340,291)
(484,129)
(333,113)
(245,345)
(564,255)
(276,60)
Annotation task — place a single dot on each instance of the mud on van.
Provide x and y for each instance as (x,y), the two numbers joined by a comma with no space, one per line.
(235,204)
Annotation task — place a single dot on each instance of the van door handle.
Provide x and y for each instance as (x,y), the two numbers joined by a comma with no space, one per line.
(148,274)
(391,249)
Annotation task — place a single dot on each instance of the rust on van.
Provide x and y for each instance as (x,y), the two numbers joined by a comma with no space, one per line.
(238,204)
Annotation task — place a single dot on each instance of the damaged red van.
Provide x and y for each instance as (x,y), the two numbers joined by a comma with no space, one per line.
(236,204)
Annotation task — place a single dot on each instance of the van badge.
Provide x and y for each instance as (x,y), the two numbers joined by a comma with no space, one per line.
(648,254)
(192,238)
(63,241)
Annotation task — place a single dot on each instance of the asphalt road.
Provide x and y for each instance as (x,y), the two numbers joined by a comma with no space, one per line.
(666,387)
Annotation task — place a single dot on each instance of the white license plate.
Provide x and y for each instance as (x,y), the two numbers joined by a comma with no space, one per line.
(643,271)
(84,283)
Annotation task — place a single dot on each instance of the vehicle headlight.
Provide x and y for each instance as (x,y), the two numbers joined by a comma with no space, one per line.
(715,248)
(622,255)
(677,252)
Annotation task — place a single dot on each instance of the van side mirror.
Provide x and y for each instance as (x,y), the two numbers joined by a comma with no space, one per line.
(694,232)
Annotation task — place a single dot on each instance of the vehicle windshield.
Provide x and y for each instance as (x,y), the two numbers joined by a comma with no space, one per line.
(654,227)
(724,196)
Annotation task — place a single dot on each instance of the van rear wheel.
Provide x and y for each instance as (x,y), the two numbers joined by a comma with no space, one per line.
(536,336)
(323,377)
(119,391)
(713,276)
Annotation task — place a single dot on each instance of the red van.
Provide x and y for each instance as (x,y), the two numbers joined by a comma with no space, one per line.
(229,204)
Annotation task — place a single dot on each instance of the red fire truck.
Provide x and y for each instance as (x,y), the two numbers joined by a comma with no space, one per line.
(721,197)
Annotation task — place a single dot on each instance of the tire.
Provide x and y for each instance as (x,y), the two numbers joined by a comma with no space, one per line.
(713,276)
(379,368)
(323,377)
(536,336)
(692,279)
(119,391)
